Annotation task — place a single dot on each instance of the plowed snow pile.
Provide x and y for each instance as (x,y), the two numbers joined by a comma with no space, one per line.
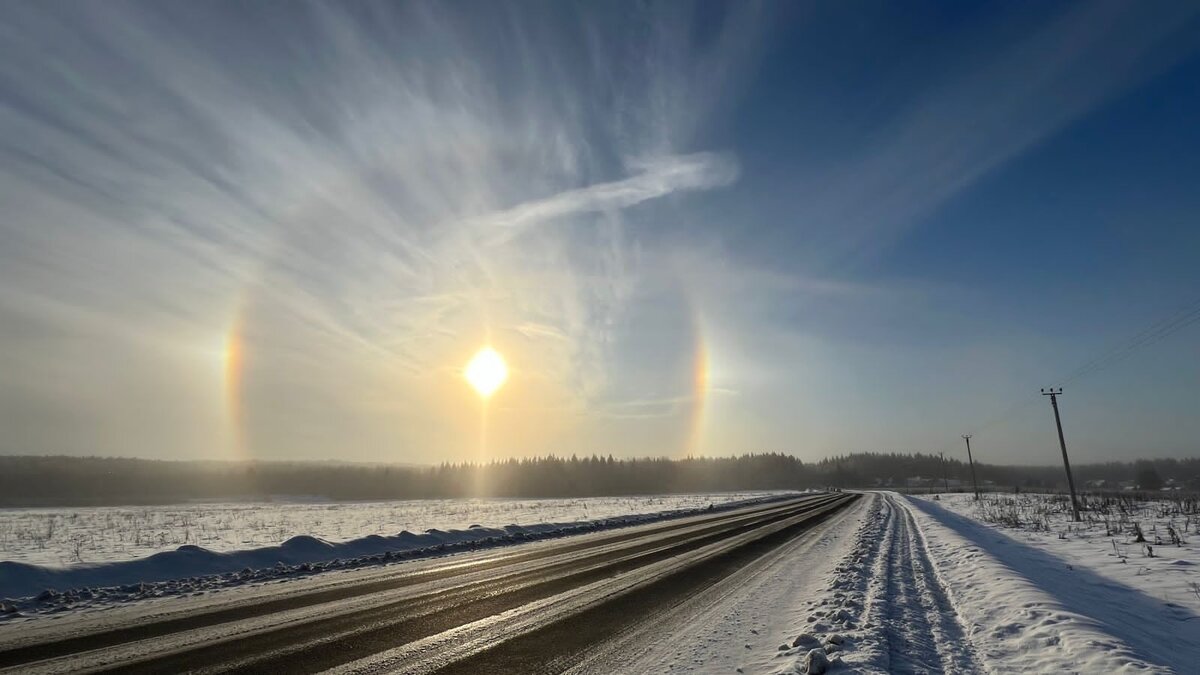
(27,589)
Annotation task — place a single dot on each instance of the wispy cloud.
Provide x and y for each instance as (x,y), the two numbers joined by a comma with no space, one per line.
(364,187)
(661,177)
(364,193)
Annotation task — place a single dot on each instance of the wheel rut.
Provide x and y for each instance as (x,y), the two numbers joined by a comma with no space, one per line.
(922,630)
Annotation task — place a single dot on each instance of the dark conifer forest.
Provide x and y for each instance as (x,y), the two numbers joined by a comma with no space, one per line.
(71,481)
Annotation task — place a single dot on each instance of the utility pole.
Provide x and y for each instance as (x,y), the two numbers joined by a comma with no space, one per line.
(1062,443)
(945,480)
(967,438)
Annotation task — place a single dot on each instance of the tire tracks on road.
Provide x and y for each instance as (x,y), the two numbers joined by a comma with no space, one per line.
(354,627)
(494,567)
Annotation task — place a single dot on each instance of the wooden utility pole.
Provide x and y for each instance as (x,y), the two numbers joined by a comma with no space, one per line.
(971,460)
(1062,443)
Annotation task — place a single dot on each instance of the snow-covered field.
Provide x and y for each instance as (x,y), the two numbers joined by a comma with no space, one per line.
(1164,564)
(1006,585)
(107,534)
(1085,593)
(892,584)
(31,589)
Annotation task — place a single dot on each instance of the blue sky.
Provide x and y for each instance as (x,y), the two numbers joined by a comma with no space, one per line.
(281,231)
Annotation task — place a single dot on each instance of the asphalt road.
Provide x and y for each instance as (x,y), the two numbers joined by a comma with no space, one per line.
(537,610)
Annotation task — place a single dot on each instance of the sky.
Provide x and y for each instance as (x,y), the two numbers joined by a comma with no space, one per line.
(281,230)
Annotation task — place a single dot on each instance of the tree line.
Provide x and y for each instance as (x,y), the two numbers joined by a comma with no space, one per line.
(869,469)
(94,481)
(82,481)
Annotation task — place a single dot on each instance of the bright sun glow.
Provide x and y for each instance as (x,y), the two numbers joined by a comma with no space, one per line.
(486,371)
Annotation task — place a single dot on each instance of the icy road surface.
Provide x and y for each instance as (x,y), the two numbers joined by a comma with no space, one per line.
(540,607)
(880,584)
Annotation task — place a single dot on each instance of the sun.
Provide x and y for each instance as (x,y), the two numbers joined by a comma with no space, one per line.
(486,371)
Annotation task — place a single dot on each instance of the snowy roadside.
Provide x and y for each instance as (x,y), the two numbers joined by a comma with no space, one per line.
(884,609)
(32,590)
(102,534)
(1104,543)
(735,626)
(1065,599)
(831,626)
(927,589)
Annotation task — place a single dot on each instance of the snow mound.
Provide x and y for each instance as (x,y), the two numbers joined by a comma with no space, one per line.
(190,569)
(806,640)
(305,543)
(195,550)
(816,662)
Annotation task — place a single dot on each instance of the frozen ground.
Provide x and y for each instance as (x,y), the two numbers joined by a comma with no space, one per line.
(1085,594)
(31,590)
(737,625)
(1166,566)
(424,615)
(893,584)
(930,586)
(108,534)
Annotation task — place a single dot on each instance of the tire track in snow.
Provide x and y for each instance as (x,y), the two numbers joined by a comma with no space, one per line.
(919,623)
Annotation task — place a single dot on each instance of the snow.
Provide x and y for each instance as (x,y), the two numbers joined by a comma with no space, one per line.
(842,601)
(1061,597)
(927,586)
(62,536)
(816,662)
(741,624)
(191,569)
(890,584)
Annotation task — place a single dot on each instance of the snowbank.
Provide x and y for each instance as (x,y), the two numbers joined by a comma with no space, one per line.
(69,535)
(190,569)
(926,587)
(1030,608)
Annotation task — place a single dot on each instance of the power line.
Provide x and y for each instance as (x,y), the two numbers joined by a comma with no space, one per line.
(1155,332)
(1181,319)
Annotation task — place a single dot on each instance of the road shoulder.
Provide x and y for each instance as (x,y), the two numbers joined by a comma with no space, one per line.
(736,625)
(1030,610)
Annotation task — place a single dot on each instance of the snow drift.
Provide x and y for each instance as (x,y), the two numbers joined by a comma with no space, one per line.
(192,568)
